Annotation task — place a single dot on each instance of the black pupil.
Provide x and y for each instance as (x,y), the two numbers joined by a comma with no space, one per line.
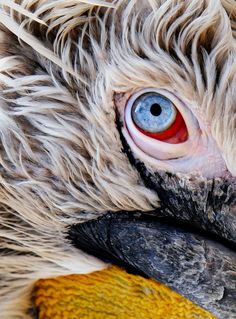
(155,109)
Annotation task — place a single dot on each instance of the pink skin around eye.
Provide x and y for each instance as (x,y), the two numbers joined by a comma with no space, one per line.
(196,154)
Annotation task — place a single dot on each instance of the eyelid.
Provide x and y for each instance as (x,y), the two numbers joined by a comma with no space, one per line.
(161,150)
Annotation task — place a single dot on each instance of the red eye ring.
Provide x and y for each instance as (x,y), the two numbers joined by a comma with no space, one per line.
(176,133)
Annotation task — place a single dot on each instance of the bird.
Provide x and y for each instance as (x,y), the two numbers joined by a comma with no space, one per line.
(118,145)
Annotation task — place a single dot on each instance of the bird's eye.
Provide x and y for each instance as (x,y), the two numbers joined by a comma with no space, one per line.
(157,123)
(156,116)
(165,130)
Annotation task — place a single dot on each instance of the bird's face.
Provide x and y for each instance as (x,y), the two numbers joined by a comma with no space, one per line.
(118,138)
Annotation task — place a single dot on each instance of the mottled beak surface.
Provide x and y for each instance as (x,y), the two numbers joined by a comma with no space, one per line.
(194,265)
(188,244)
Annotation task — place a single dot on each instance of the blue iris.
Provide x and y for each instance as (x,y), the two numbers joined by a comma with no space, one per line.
(153,112)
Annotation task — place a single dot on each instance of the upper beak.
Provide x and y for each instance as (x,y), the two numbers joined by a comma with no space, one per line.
(192,263)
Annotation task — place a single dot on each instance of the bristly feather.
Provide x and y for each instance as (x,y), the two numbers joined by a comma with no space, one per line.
(60,151)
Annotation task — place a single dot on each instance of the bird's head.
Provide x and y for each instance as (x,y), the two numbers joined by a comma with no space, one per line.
(118,138)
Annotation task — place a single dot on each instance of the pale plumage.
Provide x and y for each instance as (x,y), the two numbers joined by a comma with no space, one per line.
(62,161)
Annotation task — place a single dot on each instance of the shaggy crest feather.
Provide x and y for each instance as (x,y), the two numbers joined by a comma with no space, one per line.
(60,152)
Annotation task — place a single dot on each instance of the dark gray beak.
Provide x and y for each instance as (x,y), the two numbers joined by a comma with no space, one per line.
(188,244)
(197,267)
